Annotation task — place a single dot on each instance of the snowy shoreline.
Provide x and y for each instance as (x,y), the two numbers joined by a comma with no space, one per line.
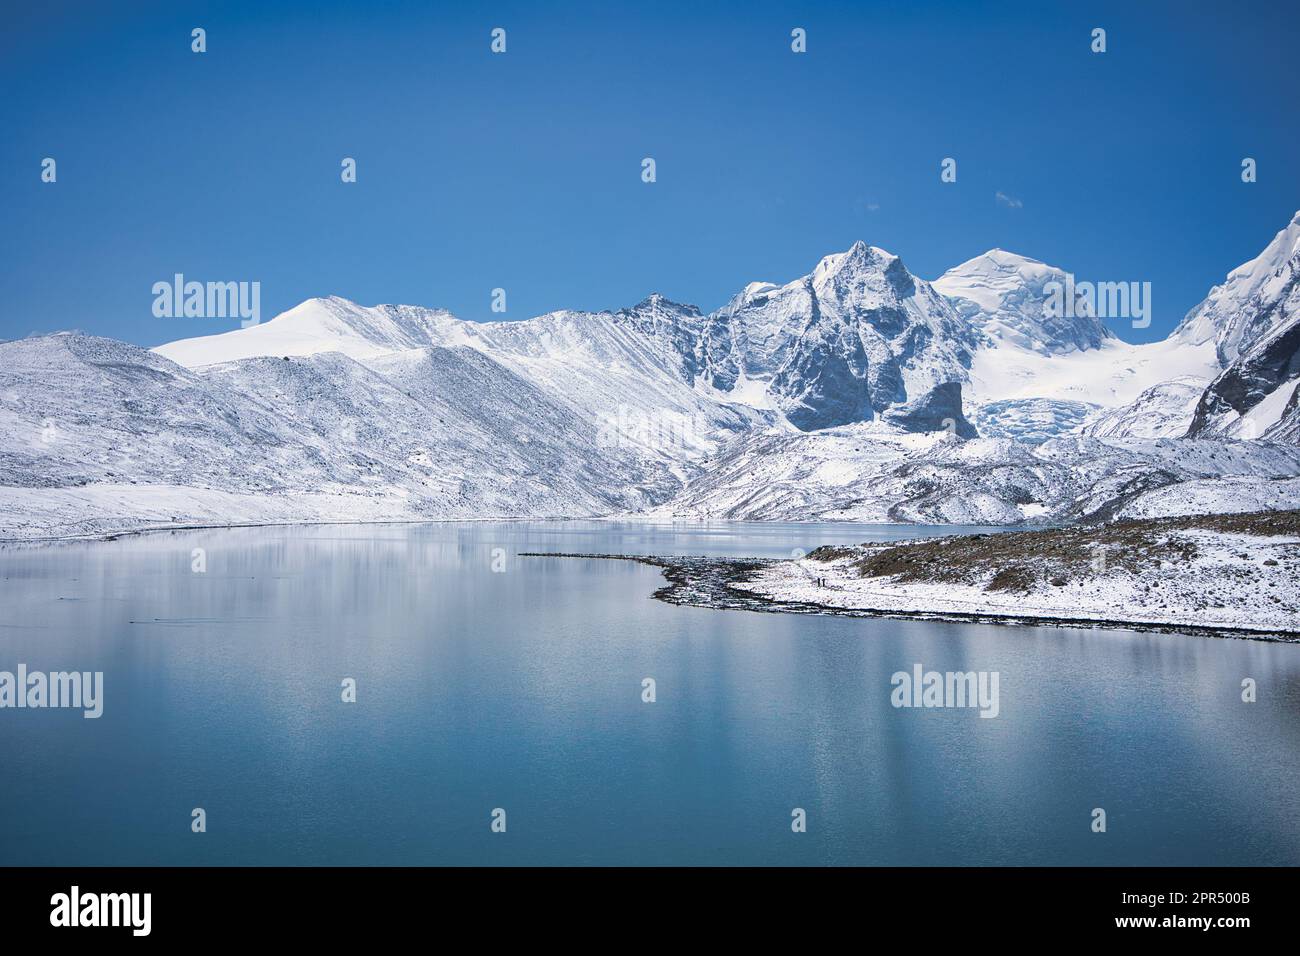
(105,512)
(28,515)
(1209,575)
(1229,573)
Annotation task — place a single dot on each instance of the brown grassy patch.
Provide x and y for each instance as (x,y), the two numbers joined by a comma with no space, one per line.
(1019,560)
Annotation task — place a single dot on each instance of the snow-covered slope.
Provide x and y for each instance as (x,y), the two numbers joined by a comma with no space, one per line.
(1233,494)
(1287,426)
(446,432)
(330,324)
(80,410)
(1162,411)
(1112,375)
(633,371)
(864,472)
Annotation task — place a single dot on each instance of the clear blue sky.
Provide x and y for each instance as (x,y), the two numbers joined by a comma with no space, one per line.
(523,170)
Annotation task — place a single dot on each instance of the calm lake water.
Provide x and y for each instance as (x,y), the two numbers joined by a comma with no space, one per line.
(521,689)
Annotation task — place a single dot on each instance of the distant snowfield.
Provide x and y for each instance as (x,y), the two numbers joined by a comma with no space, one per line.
(864,473)
(1114,374)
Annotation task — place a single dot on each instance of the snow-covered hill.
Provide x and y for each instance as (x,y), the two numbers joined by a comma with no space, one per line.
(1162,411)
(329,324)
(430,433)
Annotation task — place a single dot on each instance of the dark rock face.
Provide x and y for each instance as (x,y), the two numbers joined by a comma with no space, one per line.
(937,410)
(714,354)
(824,386)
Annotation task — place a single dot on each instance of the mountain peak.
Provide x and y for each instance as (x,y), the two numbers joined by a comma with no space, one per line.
(657,301)
(1005,295)
(1002,257)
(322,324)
(857,257)
(1241,310)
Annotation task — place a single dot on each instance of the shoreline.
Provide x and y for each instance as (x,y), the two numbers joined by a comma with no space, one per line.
(91,536)
(708,582)
(654,521)
(736,583)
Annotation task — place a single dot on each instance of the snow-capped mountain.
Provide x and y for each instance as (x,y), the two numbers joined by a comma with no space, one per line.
(857,335)
(1256,298)
(1005,297)
(1253,319)
(1037,373)
(858,391)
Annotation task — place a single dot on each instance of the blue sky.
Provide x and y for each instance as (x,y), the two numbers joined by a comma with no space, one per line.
(522,170)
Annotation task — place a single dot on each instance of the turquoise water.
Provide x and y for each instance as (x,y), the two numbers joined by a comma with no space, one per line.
(521,689)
